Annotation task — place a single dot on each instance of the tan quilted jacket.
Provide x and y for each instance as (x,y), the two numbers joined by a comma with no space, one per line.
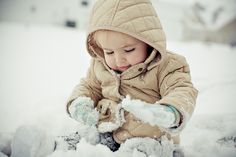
(163,78)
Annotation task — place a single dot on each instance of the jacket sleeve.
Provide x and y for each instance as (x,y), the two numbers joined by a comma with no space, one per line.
(176,88)
(88,87)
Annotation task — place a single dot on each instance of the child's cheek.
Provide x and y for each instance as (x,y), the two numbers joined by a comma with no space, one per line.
(110,62)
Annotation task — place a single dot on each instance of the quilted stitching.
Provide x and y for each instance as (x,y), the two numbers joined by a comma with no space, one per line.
(134,17)
(130,5)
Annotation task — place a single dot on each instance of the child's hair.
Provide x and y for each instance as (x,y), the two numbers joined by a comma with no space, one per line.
(95,37)
(92,44)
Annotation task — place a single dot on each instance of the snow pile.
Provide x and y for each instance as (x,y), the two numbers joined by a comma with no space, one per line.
(146,147)
(210,135)
(30,141)
(205,135)
(84,149)
(136,147)
(90,134)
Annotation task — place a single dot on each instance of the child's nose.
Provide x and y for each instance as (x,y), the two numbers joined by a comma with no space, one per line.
(120,59)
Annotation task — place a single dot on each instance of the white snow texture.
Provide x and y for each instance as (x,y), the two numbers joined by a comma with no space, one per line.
(30,141)
(110,126)
(154,114)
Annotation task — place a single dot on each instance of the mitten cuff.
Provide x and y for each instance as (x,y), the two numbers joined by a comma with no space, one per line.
(177,116)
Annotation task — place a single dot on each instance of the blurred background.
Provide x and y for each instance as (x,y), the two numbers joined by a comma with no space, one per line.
(205,20)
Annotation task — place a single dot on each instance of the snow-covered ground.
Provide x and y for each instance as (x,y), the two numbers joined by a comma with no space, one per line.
(39,66)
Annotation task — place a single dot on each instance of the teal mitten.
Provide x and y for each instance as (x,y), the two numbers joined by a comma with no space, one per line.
(82,110)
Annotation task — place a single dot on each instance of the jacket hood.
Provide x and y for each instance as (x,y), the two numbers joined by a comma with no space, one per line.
(136,18)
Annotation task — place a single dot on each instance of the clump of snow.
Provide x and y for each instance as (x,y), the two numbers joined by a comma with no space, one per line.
(90,133)
(146,147)
(149,113)
(136,147)
(85,149)
(30,141)
(111,126)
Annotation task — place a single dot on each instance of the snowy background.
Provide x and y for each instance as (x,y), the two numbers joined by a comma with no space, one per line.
(40,65)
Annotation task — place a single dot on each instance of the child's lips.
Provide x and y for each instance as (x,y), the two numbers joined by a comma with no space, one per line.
(122,68)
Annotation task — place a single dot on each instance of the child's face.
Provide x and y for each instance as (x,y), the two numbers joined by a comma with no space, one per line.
(121,51)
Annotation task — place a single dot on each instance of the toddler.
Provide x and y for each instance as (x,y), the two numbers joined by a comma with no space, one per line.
(134,86)
(136,92)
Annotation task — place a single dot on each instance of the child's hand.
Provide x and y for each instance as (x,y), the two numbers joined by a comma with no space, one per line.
(154,114)
(82,109)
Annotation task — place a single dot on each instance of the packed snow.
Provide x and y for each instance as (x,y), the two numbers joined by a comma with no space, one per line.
(40,65)
(148,113)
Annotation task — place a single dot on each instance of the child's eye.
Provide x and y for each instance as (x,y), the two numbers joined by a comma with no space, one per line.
(109,52)
(130,50)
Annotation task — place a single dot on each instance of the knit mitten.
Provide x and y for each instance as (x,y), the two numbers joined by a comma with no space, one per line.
(82,109)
